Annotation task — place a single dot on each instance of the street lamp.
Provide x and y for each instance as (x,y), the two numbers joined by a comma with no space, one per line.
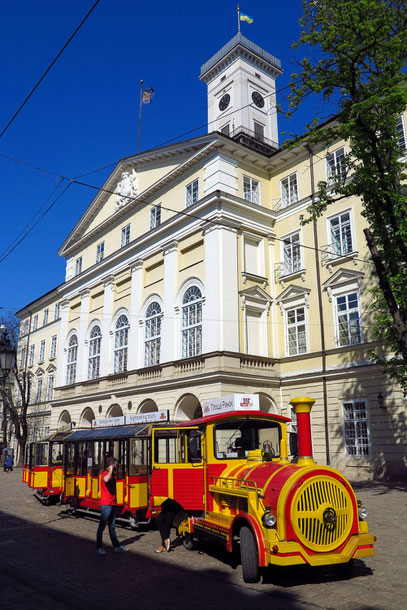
(7,354)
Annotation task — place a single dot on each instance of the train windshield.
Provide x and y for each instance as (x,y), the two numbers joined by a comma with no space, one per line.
(235,438)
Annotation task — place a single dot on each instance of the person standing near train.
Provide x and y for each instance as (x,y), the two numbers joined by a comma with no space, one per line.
(108,504)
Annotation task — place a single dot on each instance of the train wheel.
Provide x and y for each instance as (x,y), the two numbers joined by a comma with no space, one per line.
(188,542)
(248,555)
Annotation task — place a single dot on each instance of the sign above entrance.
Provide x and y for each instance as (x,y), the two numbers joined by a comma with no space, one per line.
(139,418)
(227,404)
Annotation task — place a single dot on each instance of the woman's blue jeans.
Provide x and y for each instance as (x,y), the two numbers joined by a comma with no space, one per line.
(107,517)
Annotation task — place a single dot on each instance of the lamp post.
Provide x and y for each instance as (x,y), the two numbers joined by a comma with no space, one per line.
(7,355)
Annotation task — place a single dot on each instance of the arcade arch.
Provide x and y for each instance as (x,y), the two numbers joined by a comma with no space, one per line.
(114,411)
(148,406)
(86,418)
(188,407)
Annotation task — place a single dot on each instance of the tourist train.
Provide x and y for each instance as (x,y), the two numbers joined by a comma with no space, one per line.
(230,471)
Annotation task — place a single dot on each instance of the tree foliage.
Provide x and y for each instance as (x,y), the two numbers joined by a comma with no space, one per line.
(15,393)
(357,58)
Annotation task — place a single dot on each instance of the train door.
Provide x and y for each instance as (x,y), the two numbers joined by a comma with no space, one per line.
(118,449)
(39,473)
(177,466)
(137,477)
(55,471)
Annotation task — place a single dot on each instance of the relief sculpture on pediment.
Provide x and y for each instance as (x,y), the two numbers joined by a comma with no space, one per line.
(126,188)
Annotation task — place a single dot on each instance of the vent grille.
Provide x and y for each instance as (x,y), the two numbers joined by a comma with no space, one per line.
(321,514)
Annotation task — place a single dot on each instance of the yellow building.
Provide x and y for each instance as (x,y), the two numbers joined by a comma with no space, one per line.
(190,277)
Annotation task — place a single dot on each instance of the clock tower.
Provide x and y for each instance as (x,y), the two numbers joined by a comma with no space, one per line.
(241,85)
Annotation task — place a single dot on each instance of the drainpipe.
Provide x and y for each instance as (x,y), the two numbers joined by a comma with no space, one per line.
(321,312)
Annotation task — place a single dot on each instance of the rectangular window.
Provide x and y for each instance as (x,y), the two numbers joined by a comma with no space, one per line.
(356,428)
(296,333)
(26,326)
(50,387)
(225,129)
(348,319)
(191,193)
(259,131)
(340,229)
(57,311)
(32,355)
(53,350)
(22,358)
(45,320)
(251,189)
(125,238)
(253,256)
(291,254)
(155,216)
(38,397)
(100,251)
(42,351)
(78,266)
(35,322)
(401,136)
(335,165)
(289,190)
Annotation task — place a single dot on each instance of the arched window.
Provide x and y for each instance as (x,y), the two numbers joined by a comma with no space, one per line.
(95,340)
(72,360)
(192,322)
(153,335)
(121,336)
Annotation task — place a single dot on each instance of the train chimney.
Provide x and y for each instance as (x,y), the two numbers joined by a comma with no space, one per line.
(302,408)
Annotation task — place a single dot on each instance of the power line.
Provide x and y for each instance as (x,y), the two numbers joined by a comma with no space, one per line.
(48,69)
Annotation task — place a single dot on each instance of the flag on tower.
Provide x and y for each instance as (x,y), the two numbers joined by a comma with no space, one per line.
(147,95)
(244,17)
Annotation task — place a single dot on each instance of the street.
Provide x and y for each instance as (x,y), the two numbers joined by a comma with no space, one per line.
(48,560)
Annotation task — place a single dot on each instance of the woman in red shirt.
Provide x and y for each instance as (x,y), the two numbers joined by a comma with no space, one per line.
(108,508)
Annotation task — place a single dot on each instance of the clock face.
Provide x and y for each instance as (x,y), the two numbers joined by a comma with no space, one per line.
(224,101)
(258,99)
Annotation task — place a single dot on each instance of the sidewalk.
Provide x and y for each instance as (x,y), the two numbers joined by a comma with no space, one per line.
(48,559)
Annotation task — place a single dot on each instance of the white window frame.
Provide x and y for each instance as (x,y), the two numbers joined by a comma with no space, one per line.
(100,251)
(337,169)
(225,129)
(296,325)
(288,250)
(35,322)
(53,347)
(94,351)
(155,216)
(22,358)
(192,193)
(46,316)
(261,271)
(42,351)
(57,310)
(38,393)
(288,185)
(358,445)
(125,236)
(347,312)
(121,344)
(152,334)
(332,244)
(78,265)
(401,132)
(191,322)
(31,355)
(263,129)
(72,359)
(50,387)
(251,189)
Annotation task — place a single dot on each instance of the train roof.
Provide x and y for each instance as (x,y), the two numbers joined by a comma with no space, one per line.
(208,419)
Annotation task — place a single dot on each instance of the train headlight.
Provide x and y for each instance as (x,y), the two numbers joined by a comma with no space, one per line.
(362,511)
(268,519)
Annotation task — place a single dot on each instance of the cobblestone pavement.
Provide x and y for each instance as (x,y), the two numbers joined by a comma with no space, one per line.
(48,560)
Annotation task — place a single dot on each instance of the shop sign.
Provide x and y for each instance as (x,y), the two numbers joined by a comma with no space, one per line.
(106,422)
(147,418)
(228,404)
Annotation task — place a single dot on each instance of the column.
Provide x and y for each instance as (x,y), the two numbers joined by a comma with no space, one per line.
(169,340)
(133,356)
(61,362)
(221,307)
(105,356)
(81,368)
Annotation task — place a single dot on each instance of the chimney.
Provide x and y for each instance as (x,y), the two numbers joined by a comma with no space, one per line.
(302,408)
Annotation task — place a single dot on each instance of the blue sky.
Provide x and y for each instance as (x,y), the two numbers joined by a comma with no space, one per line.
(84,115)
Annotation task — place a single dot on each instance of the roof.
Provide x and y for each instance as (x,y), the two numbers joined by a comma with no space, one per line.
(233,415)
(241,40)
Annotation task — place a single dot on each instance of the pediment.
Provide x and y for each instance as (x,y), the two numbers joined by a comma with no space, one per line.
(135,181)
(39,371)
(293,292)
(51,368)
(256,293)
(343,276)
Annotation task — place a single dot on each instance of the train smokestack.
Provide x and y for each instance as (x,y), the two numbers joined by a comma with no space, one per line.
(302,407)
